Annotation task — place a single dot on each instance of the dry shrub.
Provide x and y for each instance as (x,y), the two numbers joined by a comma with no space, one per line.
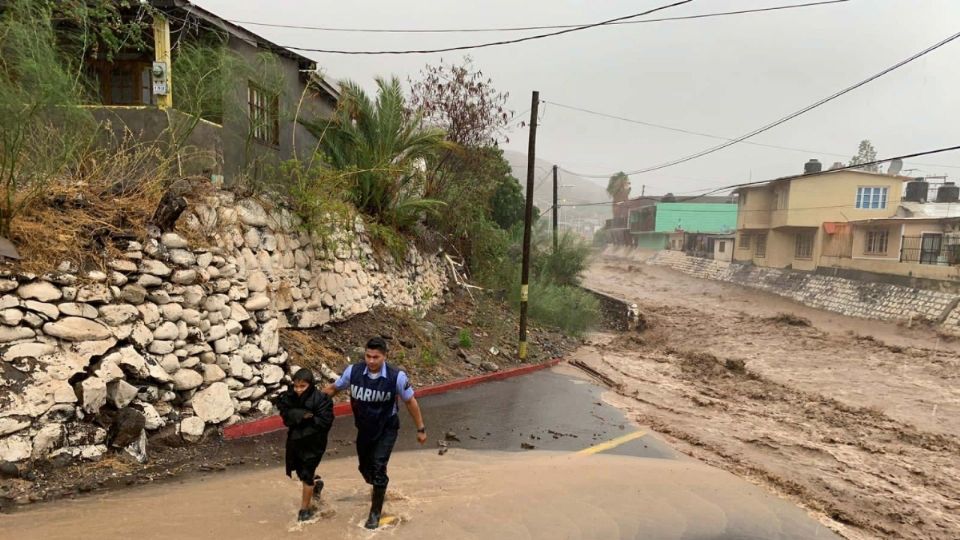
(790,319)
(87,218)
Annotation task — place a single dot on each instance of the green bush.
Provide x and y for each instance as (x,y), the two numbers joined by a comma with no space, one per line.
(466,341)
(569,308)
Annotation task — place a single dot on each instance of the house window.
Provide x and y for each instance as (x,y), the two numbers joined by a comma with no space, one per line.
(783,197)
(723,247)
(761,250)
(264,115)
(876,243)
(744,241)
(872,197)
(124,82)
(804,246)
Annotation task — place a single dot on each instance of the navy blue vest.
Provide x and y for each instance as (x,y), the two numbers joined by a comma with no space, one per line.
(372,400)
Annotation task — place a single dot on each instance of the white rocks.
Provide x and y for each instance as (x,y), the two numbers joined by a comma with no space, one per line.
(193,296)
(213,373)
(251,354)
(149,281)
(93,394)
(173,241)
(216,332)
(154,268)
(271,374)
(141,335)
(49,311)
(7,285)
(97,293)
(15,448)
(15,333)
(172,312)
(11,317)
(123,265)
(170,363)
(166,331)
(226,345)
(238,312)
(109,370)
(150,313)
(251,213)
(153,419)
(161,347)
(9,426)
(189,316)
(191,429)
(75,309)
(121,393)
(184,277)
(204,259)
(257,302)
(264,407)
(115,315)
(233,327)
(257,281)
(213,404)
(77,329)
(252,238)
(186,379)
(40,290)
(215,302)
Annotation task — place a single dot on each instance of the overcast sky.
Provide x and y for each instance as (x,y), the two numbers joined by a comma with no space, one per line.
(724,76)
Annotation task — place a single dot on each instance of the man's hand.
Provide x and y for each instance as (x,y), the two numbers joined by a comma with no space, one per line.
(421,437)
(308,416)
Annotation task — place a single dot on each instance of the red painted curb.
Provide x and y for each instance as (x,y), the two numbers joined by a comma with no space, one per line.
(270,424)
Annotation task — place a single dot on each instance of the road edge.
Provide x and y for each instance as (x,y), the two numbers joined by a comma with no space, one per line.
(270,424)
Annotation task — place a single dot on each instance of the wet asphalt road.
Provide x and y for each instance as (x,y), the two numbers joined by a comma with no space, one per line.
(549,410)
(564,412)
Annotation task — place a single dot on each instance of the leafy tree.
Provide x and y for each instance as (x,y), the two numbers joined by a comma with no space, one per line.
(865,154)
(618,186)
(381,148)
(462,102)
(508,202)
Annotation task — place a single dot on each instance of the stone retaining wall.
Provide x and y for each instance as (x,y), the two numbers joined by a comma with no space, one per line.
(882,301)
(181,335)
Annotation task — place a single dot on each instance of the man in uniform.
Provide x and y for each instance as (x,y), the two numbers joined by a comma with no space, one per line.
(375,386)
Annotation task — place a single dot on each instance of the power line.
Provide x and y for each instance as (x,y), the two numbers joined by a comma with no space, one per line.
(794,177)
(790,116)
(711,136)
(525,28)
(497,43)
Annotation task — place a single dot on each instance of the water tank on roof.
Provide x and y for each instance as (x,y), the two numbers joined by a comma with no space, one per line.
(917,191)
(812,167)
(948,192)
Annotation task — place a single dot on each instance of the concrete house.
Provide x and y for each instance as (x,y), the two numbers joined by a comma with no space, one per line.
(793,222)
(257,127)
(689,226)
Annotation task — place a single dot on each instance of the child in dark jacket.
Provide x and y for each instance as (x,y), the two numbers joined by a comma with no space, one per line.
(308,413)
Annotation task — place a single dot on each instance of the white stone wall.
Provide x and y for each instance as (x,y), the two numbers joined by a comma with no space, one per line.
(186,334)
(850,297)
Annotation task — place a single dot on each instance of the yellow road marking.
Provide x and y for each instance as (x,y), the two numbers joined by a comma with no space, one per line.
(613,443)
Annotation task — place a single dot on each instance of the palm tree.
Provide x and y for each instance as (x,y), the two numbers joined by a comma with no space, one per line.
(618,186)
(382,147)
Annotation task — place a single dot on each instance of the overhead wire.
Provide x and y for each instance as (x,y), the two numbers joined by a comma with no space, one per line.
(711,136)
(796,176)
(525,28)
(790,116)
(493,43)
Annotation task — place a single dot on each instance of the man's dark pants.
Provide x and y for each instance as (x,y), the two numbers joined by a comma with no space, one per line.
(373,453)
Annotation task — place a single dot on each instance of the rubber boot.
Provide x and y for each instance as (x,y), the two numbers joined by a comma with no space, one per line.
(376,507)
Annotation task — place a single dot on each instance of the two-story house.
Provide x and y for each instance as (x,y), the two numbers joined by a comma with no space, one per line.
(792,222)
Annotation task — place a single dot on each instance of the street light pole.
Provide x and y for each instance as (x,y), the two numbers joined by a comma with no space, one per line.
(527,224)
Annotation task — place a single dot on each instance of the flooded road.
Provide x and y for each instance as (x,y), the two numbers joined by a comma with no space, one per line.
(855,419)
(593,474)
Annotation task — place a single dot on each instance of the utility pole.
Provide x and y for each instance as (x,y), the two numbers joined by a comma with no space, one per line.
(527,224)
(556,209)
(162,72)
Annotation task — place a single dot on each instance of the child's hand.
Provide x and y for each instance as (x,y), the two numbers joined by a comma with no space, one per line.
(308,416)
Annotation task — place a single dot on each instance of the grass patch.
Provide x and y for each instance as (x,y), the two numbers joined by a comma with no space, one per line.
(466,340)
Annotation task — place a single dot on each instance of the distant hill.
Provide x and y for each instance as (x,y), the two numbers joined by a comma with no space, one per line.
(583,190)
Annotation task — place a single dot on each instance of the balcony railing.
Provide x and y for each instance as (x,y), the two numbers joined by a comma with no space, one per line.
(930,249)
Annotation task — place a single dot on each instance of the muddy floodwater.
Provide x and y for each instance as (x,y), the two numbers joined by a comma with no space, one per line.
(857,420)
(459,495)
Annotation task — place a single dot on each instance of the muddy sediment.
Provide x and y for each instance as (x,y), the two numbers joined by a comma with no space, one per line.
(855,420)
